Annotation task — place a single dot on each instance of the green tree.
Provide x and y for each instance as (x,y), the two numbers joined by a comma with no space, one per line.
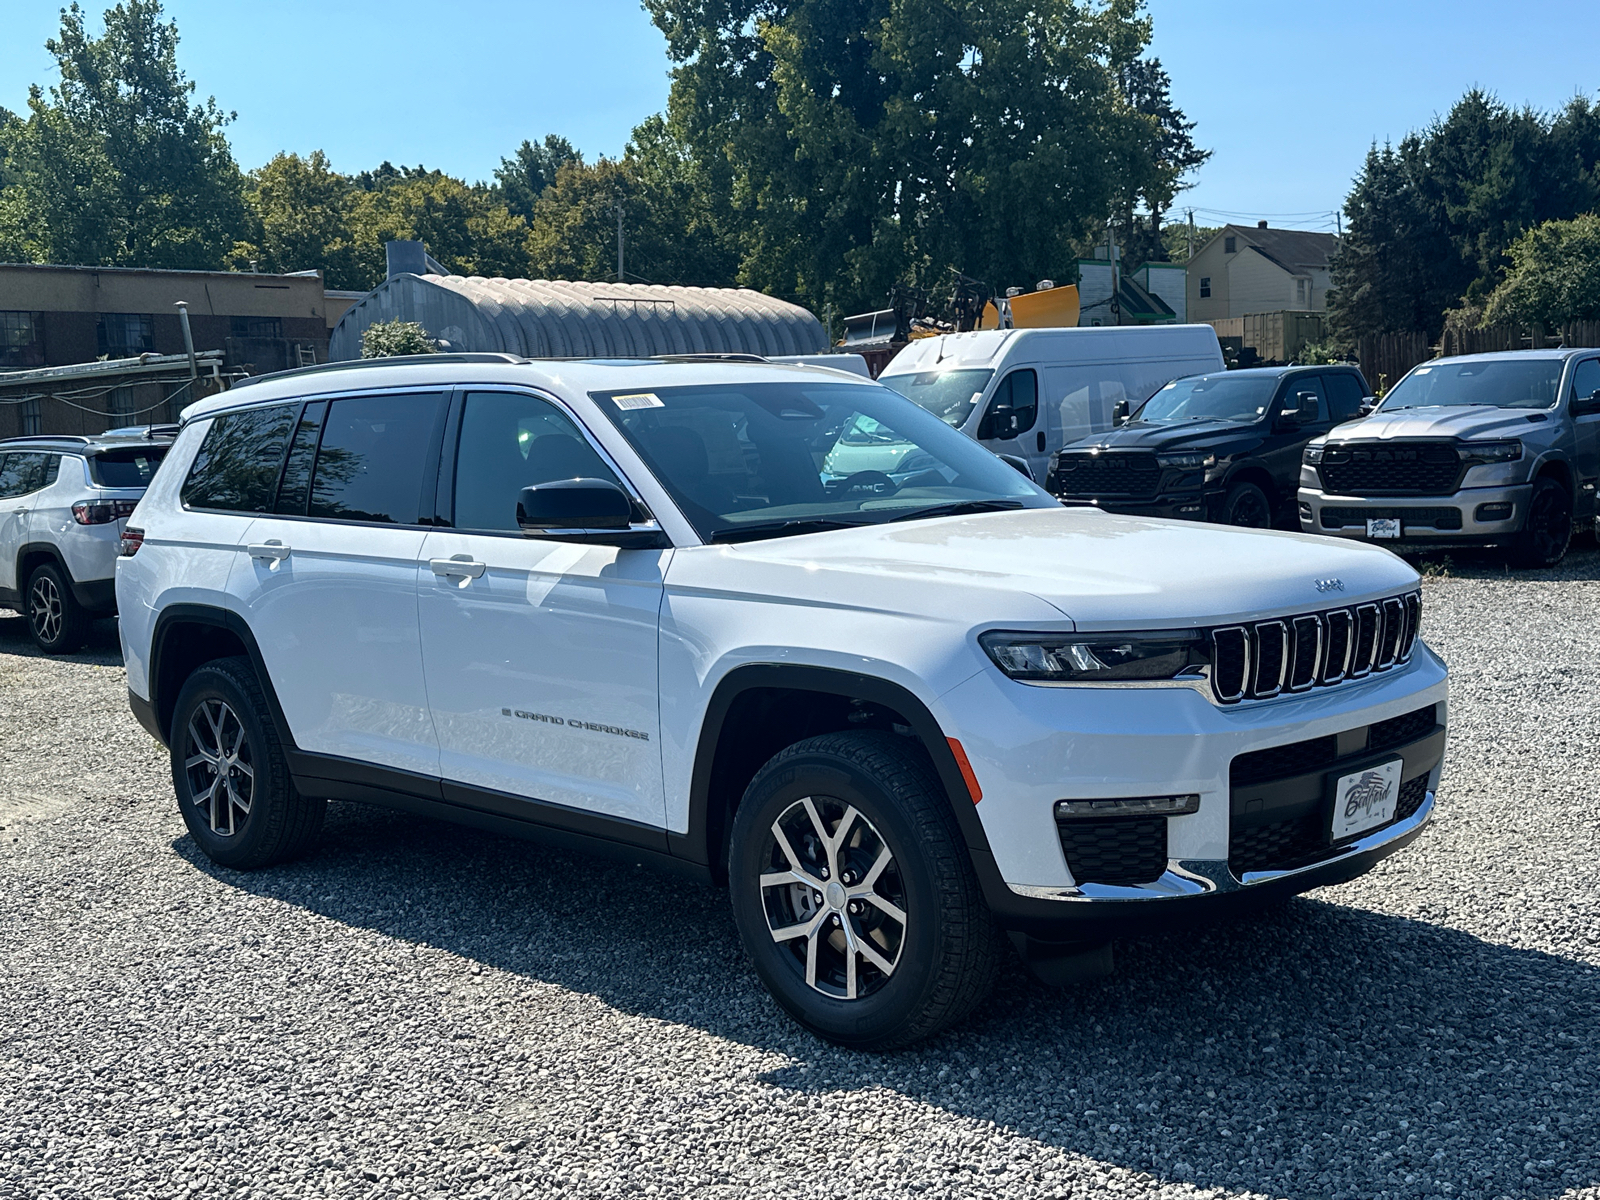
(867,143)
(300,214)
(1160,155)
(464,226)
(1554,276)
(116,166)
(523,178)
(385,339)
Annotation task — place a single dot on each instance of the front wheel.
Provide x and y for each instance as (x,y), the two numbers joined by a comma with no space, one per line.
(854,894)
(230,773)
(1547,531)
(1247,506)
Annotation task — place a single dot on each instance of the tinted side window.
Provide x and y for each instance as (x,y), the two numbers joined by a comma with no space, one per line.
(373,457)
(295,490)
(132,468)
(1344,394)
(22,473)
(1586,379)
(237,467)
(1311,414)
(509,442)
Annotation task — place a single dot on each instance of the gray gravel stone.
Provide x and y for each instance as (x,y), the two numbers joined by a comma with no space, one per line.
(420,1010)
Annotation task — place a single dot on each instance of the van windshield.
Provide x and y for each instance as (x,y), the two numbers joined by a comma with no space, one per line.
(948,395)
(747,460)
(1500,382)
(1238,398)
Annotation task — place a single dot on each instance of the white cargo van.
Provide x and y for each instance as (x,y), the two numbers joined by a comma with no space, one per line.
(1028,392)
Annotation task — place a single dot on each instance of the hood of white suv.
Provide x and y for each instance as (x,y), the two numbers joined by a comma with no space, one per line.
(1444,421)
(1099,570)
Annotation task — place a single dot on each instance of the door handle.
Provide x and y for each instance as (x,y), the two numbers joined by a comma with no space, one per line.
(273,550)
(459,567)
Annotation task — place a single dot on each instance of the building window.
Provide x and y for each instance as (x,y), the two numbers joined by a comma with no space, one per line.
(1205,287)
(19,340)
(256,327)
(1230,245)
(125,335)
(32,419)
(1300,292)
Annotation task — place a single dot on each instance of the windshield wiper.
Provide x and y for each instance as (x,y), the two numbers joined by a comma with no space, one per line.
(766,529)
(958,508)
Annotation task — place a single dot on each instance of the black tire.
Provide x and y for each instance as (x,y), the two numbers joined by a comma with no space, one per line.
(222,705)
(1547,529)
(58,623)
(943,954)
(1247,506)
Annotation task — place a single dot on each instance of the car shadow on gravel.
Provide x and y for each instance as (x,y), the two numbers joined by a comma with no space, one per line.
(1314,1050)
(103,647)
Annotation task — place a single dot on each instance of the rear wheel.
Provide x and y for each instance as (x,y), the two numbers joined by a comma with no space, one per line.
(230,773)
(1247,505)
(854,894)
(56,620)
(1547,531)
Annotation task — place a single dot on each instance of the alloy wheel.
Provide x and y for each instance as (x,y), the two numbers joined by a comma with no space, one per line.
(217,762)
(44,607)
(1250,512)
(1550,524)
(833,895)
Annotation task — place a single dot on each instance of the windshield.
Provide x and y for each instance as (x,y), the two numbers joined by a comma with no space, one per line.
(948,395)
(1499,382)
(1242,398)
(764,459)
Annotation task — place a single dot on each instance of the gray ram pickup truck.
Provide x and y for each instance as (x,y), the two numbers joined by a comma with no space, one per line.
(1484,449)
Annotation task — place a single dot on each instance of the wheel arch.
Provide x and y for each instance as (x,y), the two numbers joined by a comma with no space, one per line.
(1251,470)
(186,637)
(758,709)
(1555,467)
(32,555)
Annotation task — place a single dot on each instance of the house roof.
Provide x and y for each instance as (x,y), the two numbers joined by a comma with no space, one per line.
(1295,250)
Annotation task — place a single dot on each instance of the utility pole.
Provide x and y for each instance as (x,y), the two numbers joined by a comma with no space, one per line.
(1111,249)
(1338,221)
(1191,233)
(621,275)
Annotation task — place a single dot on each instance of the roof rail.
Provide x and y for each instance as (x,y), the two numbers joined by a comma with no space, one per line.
(354,363)
(711,356)
(46,437)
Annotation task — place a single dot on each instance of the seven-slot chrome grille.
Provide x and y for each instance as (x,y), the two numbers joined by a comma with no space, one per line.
(1295,654)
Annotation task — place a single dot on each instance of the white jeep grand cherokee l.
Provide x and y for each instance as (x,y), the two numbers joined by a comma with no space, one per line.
(673,609)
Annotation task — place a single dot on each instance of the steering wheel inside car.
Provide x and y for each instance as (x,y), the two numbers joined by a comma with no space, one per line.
(870,483)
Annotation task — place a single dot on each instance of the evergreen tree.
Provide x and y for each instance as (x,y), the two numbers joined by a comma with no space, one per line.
(523,178)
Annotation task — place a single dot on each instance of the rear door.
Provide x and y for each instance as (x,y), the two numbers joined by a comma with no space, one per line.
(327,578)
(540,654)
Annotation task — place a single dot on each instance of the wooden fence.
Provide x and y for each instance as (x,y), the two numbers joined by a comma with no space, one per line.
(1385,357)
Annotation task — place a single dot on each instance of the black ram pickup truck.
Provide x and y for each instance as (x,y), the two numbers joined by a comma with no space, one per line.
(1223,447)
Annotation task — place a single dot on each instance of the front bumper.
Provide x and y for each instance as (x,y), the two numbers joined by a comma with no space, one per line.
(1031,746)
(1180,506)
(1457,519)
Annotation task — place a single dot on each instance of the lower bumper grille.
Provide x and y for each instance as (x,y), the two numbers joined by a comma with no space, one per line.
(1431,518)
(1301,841)
(1118,850)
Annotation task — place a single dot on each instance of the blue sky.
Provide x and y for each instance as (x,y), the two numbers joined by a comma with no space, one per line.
(1288,96)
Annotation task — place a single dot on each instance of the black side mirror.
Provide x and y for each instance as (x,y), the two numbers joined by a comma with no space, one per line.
(1000,422)
(575,504)
(1583,406)
(1119,412)
(1368,404)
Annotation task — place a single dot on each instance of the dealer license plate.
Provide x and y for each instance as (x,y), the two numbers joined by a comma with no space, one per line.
(1365,799)
(1383,527)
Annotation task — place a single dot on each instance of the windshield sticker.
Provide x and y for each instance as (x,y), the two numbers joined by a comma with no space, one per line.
(637,400)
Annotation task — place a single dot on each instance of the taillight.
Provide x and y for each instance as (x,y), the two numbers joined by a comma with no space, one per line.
(102,512)
(132,539)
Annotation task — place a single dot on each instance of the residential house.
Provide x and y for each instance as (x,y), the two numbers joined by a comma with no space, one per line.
(1244,270)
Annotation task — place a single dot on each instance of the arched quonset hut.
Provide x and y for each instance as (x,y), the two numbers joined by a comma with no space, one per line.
(543,318)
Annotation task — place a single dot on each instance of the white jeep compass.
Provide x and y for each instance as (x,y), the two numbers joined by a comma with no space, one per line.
(682,610)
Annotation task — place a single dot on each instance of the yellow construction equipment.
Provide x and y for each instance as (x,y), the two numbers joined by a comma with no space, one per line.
(1053,308)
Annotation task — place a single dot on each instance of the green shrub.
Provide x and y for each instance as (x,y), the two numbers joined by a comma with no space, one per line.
(385,339)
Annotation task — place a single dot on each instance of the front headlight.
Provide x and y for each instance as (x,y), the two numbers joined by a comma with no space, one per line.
(1313,455)
(1097,657)
(1491,452)
(1187,462)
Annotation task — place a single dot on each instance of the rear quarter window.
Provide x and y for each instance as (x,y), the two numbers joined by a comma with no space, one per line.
(236,469)
(131,468)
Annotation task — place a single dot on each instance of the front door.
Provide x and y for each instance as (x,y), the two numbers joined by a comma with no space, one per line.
(540,654)
(1011,423)
(1586,384)
(328,579)
(1285,441)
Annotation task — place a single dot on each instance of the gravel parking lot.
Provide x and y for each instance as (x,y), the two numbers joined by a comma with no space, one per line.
(418,1009)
